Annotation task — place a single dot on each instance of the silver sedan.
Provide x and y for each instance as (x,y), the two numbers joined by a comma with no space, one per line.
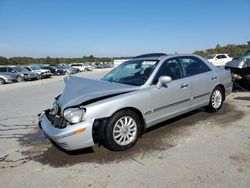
(142,92)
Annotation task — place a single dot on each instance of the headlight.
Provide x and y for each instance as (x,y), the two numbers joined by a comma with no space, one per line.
(74,115)
(241,63)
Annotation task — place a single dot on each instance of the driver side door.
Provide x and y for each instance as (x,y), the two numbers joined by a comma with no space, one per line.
(171,99)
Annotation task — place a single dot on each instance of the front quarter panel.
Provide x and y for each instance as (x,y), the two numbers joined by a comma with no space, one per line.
(138,99)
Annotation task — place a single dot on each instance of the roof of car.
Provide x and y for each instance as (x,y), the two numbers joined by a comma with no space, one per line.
(150,55)
(160,56)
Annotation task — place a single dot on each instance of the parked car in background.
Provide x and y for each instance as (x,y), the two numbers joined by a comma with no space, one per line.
(103,66)
(89,67)
(28,75)
(80,66)
(66,69)
(219,60)
(116,110)
(41,73)
(74,69)
(54,70)
(240,67)
(8,75)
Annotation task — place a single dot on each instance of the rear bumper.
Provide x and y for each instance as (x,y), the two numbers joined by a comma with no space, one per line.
(65,137)
(228,88)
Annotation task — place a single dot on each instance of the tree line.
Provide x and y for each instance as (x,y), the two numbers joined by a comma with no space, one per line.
(232,49)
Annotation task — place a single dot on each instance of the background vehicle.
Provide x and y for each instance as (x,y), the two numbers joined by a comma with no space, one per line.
(240,67)
(89,67)
(103,66)
(8,75)
(66,69)
(25,73)
(138,94)
(219,60)
(41,73)
(80,66)
(54,70)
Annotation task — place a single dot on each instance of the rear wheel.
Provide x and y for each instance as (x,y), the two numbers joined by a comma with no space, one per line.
(2,81)
(19,78)
(39,76)
(122,130)
(216,100)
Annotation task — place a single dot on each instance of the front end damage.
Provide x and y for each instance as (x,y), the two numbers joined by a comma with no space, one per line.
(67,136)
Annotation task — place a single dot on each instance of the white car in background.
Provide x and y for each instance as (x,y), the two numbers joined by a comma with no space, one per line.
(79,66)
(219,60)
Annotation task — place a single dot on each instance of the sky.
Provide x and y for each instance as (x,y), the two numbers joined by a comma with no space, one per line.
(111,28)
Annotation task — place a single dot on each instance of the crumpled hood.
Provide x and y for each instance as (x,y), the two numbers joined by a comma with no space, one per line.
(79,90)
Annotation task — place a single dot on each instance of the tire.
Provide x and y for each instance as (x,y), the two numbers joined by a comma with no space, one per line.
(216,100)
(118,137)
(39,77)
(19,78)
(2,81)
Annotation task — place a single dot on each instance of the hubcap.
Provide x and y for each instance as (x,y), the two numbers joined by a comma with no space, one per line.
(124,131)
(216,99)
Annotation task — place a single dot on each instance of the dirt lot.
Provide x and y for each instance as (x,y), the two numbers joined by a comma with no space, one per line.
(198,149)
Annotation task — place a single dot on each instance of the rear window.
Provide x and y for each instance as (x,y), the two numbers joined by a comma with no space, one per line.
(3,69)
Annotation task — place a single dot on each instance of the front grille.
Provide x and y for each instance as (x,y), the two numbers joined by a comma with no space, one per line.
(57,121)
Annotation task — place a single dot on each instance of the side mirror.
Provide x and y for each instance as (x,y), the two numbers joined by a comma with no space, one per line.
(163,80)
(13,71)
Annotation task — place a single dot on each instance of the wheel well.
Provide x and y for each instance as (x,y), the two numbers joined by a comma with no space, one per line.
(100,124)
(223,90)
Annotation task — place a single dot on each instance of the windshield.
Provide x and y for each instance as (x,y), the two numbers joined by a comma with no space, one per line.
(210,57)
(35,68)
(20,69)
(134,72)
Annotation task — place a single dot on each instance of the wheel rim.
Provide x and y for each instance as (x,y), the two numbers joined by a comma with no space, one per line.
(216,99)
(19,79)
(1,81)
(125,130)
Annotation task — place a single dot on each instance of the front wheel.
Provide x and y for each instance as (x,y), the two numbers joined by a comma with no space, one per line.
(216,100)
(122,131)
(2,81)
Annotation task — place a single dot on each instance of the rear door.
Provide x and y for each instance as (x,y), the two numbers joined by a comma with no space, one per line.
(171,99)
(202,80)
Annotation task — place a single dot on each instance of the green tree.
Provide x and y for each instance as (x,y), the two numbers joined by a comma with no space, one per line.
(3,60)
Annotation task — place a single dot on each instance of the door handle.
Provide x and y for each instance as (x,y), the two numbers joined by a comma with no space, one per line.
(183,85)
(214,78)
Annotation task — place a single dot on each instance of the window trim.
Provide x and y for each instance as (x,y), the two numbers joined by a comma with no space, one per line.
(179,64)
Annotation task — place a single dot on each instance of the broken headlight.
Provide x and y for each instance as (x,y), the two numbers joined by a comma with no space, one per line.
(74,115)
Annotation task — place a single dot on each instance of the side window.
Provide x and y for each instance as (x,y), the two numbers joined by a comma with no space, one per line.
(11,70)
(194,66)
(170,68)
(221,56)
(3,69)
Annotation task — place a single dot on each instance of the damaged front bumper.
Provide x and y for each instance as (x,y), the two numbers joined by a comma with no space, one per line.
(72,137)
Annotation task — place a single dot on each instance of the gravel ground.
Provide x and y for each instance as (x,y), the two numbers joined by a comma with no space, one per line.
(198,149)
